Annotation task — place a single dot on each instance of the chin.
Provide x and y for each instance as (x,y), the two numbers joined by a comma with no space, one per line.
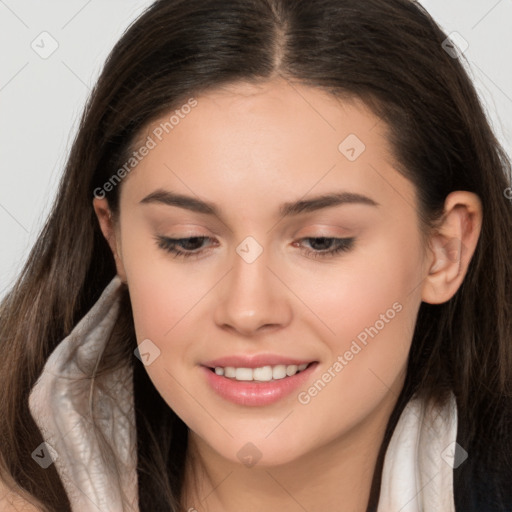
(256,451)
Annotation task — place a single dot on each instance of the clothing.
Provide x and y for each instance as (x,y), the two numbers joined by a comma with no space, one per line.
(418,466)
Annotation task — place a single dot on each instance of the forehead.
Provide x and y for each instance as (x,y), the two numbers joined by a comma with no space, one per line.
(252,143)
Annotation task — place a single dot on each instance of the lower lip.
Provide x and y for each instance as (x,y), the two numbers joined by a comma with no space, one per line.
(252,393)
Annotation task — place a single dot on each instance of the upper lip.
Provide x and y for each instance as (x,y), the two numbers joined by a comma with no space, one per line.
(254,361)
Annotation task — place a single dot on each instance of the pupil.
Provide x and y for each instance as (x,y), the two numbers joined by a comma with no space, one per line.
(190,241)
(326,242)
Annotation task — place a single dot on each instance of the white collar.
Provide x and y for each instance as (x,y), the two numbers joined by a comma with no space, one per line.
(418,466)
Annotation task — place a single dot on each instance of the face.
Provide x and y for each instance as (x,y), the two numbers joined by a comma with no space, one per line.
(269,277)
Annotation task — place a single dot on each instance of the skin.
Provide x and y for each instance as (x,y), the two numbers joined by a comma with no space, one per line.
(248,149)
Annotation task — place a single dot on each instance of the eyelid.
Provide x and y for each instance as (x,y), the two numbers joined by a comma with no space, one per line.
(325,230)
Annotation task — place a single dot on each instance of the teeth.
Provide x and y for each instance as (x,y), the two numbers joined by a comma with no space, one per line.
(279,372)
(291,370)
(262,374)
(230,372)
(243,374)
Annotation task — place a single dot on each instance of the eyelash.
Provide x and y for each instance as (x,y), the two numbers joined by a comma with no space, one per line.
(169,245)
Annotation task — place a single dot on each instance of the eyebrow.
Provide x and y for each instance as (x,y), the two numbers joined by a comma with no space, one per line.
(289,209)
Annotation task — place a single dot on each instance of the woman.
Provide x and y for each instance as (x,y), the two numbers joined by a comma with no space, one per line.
(278,266)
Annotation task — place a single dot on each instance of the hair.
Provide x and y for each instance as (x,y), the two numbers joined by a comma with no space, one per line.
(387,53)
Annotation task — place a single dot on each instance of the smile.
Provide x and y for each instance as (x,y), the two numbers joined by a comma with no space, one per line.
(261,374)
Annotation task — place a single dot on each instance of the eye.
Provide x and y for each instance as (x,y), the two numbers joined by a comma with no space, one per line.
(176,245)
(328,246)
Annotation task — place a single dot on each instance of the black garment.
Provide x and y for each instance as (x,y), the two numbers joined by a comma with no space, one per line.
(480,490)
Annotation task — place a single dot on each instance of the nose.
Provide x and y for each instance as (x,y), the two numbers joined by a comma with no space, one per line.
(251,299)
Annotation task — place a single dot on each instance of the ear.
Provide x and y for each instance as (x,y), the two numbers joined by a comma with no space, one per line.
(452,246)
(110,232)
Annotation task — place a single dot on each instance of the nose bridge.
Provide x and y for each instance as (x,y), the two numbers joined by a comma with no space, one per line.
(251,297)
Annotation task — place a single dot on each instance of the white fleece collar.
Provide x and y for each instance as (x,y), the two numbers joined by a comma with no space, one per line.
(417,474)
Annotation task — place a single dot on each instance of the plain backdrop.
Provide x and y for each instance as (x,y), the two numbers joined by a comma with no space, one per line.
(42,96)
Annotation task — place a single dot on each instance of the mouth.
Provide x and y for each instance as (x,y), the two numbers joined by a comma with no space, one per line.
(258,385)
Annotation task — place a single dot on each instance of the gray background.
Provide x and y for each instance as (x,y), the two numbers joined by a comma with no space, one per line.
(41,98)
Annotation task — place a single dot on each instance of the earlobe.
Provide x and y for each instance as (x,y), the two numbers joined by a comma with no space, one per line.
(107,226)
(452,247)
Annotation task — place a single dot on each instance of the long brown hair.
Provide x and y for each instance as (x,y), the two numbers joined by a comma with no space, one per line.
(390,54)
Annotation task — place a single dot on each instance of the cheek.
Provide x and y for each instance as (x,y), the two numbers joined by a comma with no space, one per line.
(365,290)
(162,291)
(368,310)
